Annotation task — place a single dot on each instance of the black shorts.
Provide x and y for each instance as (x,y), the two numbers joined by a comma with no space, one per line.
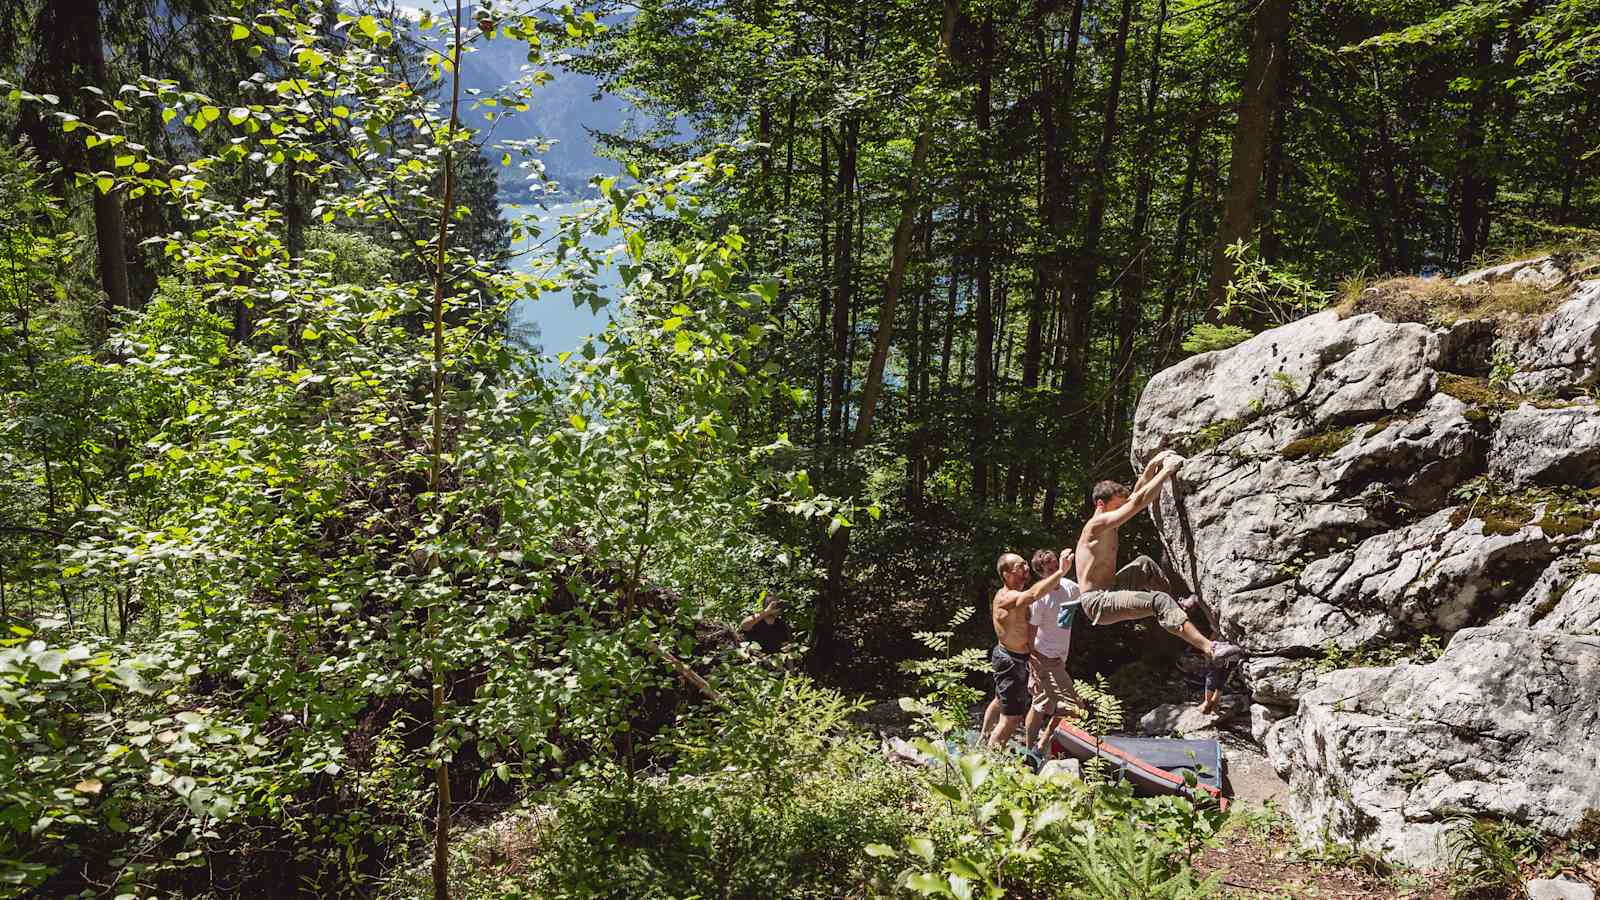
(1010,680)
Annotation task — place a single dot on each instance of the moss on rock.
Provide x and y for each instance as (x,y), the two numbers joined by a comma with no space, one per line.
(1214,434)
(1318,446)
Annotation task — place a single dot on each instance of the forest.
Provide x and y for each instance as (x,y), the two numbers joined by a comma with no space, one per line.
(320,576)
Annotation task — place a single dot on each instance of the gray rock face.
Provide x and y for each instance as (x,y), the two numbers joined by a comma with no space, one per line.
(1186,719)
(1544,272)
(1563,354)
(1565,598)
(1547,446)
(1354,485)
(1502,724)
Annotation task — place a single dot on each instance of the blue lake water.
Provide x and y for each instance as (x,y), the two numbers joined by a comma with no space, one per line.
(562,326)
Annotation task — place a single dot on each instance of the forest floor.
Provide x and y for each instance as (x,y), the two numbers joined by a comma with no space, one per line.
(1259,855)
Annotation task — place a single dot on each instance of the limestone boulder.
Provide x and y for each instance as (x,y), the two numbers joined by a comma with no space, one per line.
(1187,720)
(1544,272)
(1502,724)
(1359,491)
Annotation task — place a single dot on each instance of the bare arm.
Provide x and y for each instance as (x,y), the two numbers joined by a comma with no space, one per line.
(1041,587)
(1146,493)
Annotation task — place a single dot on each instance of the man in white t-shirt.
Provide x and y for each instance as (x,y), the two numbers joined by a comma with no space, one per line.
(1049,680)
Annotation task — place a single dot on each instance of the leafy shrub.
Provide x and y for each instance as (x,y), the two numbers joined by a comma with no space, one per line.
(1003,828)
(1487,856)
(771,795)
(1205,337)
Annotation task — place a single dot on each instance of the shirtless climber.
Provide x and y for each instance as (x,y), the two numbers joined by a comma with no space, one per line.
(1009,659)
(1139,589)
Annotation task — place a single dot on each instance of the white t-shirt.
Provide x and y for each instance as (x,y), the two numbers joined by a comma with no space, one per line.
(1053,640)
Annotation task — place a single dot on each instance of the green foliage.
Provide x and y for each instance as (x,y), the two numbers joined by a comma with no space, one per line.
(1105,717)
(251,504)
(1005,827)
(778,811)
(1503,369)
(943,676)
(1262,292)
(1205,337)
(1424,649)
(1488,856)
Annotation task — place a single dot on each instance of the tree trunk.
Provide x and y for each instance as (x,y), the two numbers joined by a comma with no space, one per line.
(1088,270)
(1271,242)
(1171,317)
(1258,96)
(81,19)
(844,254)
(982,412)
(441,675)
(1472,183)
(1572,163)
(838,543)
(823,295)
(953,286)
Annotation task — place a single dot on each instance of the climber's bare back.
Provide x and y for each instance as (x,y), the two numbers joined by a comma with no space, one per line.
(1097,554)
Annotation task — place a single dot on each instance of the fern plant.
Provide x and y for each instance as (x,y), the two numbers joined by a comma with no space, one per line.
(942,676)
(1105,714)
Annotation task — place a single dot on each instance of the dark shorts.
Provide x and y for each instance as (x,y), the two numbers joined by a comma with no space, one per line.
(1010,680)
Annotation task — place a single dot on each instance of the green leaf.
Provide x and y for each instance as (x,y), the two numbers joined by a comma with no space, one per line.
(239,32)
(921,846)
(671,324)
(974,769)
(928,884)
(238,114)
(104,183)
(883,851)
(964,867)
(682,343)
(1050,815)
(578,421)
(368,26)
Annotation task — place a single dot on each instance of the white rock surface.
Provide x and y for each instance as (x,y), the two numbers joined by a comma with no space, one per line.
(1563,354)
(1547,446)
(1558,889)
(1542,271)
(1186,719)
(1502,724)
(1334,497)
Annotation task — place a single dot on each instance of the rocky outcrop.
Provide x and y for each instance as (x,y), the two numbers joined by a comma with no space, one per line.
(1543,445)
(1562,355)
(1502,724)
(1359,493)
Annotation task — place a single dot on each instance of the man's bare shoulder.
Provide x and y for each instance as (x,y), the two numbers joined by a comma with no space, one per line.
(1097,523)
